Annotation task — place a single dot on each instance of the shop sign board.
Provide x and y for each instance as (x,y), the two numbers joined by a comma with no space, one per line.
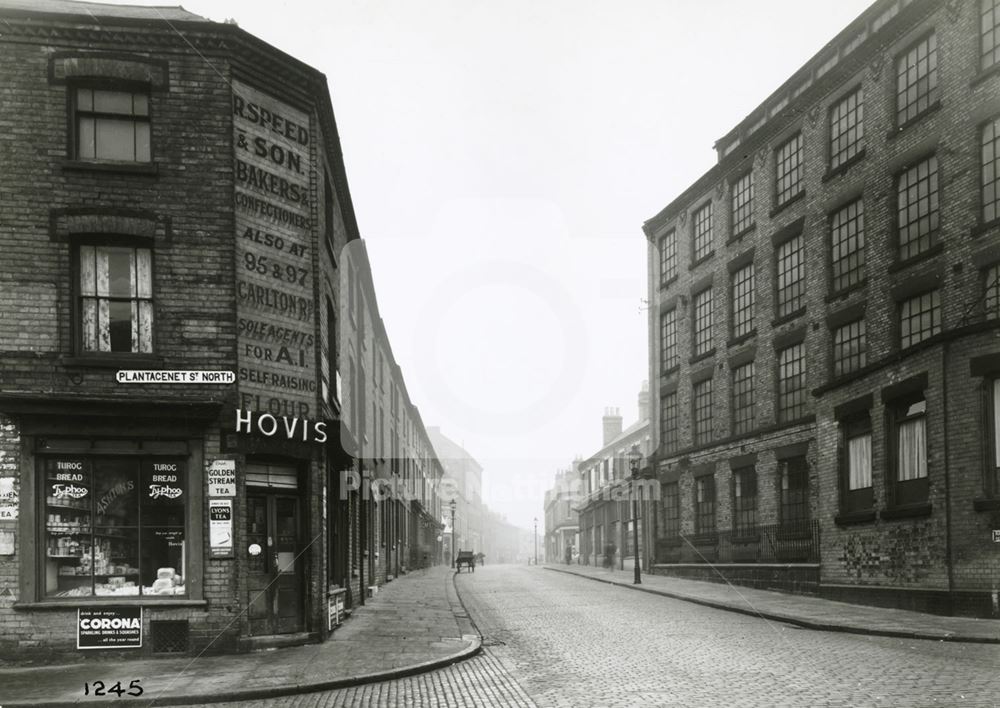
(220,528)
(109,628)
(222,478)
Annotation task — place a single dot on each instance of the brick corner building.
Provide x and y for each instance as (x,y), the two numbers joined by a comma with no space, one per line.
(825,322)
(175,203)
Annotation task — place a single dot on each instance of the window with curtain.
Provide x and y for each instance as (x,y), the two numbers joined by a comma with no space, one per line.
(857,465)
(115,291)
(909,439)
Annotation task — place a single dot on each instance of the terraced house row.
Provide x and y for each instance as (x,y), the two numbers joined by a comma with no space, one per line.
(197,391)
(825,328)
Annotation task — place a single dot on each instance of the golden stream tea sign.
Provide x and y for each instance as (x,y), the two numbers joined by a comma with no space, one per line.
(274,291)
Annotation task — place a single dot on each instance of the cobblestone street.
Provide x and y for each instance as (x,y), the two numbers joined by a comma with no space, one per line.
(552,639)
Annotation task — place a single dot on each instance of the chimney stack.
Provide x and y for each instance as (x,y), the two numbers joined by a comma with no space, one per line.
(644,402)
(612,424)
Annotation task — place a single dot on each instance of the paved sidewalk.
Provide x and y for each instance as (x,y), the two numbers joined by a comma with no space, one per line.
(802,610)
(416,623)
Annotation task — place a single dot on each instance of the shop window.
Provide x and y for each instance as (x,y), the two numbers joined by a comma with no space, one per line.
(744,500)
(916,79)
(111,125)
(115,291)
(114,527)
(704,504)
(789,170)
(847,129)
(847,231)
(793,473)
(908,450)
(856,465)
(742,204)
(668,257)
(918,208)
(702,242)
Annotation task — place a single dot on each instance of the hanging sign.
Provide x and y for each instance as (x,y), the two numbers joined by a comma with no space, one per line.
(220,528)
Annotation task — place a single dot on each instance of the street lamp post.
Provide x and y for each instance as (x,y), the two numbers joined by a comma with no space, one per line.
(452,505)
(536,540)
(634,458)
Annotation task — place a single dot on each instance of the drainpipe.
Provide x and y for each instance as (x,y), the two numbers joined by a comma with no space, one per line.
(947,479)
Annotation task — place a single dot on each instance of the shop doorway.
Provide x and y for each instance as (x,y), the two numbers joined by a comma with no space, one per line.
(275,566)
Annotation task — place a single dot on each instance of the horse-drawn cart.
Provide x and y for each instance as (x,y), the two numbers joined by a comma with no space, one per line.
(466,558)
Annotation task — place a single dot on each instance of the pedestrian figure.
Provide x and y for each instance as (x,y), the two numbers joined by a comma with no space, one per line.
(569,555)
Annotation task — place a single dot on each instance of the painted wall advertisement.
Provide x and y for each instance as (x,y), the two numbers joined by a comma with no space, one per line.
(220,528)
(109,628)
(8,499)
(274,290)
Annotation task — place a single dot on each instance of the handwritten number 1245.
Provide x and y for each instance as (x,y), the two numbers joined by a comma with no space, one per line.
(101,690)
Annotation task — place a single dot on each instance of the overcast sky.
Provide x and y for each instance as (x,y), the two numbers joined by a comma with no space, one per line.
(502,156)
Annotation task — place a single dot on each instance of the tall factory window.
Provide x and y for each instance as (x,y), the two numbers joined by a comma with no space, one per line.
(791,276)
(917,208)
(742,204)
(789,170)
(847,232)
(916,79)
(702,232)
(847,129)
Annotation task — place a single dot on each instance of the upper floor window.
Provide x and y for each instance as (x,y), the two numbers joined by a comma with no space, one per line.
(919,318)
(668,421)
(702,411)
(702,304)
(993,291)
(742,204)
(847,231)
(792,382)
(744,500)
(847,129)
(703,232)
(791,276)
(115,292)
(908,436)
(668,256)
(850,347)
(743,292)
(111,125)
(856,465)
(704,504)
(789,170)
(743,398)
(916,79)
(990,176)
(669,357)
(917,208)
(989,33)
